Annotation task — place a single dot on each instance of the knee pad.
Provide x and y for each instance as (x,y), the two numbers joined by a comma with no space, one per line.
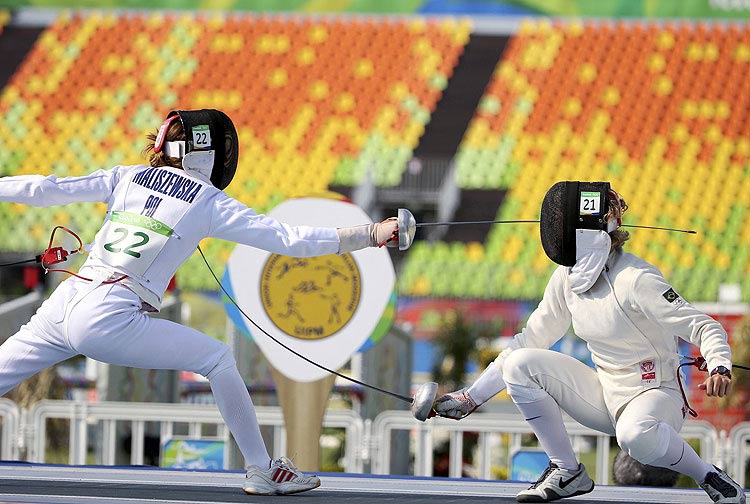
(521,386)
(221,361)
(516,368)
(645,439)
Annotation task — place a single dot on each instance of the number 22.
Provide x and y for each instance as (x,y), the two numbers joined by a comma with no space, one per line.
(110,246)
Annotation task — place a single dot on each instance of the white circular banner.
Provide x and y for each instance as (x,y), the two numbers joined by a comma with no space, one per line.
(323,307)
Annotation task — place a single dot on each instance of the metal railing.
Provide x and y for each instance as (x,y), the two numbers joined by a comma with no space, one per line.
(482,423)
(365,441)
(498,423)
(739,442)
(82,414)
(10,415)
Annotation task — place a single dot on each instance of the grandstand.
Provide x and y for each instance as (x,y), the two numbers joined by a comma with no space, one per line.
(666,122)
(308,113)
(655,122)
(441,115)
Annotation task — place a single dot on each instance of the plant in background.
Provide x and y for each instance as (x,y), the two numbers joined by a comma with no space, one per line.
(456,344)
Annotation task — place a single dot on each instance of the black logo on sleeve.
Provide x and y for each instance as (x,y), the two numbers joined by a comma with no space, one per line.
(672,297)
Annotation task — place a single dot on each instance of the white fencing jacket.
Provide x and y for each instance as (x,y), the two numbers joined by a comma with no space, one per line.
(156,218)
(630,319)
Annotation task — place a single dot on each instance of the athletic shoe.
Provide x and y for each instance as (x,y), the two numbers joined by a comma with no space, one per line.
(722,489)
(556,483)
(282,478)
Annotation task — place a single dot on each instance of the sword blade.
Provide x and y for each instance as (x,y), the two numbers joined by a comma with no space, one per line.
(466,223)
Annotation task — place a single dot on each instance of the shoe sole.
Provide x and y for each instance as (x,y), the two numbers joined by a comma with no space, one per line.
(253,491)
(536,498)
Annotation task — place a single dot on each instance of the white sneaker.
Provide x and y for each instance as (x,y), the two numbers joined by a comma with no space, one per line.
(722,489)
(282,478)
(556,483)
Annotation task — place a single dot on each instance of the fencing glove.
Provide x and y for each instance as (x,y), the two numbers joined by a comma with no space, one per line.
(378,234)
(455,405)
(462,403)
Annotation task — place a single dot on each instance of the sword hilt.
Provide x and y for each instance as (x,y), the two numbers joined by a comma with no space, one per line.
(407,226)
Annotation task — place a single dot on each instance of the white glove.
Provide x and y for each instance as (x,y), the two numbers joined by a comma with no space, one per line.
(384,233)
(456,405)
(369,235)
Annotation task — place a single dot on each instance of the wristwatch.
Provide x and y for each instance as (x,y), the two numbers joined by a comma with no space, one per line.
(722,371)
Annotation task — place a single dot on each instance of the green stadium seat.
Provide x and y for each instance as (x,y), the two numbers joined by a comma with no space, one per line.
(316,101)
(559,108)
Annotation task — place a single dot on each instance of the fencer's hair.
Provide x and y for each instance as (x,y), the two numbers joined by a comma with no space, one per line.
(618,236)
(175,133)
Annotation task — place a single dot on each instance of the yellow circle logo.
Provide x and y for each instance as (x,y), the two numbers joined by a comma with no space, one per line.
(313,297)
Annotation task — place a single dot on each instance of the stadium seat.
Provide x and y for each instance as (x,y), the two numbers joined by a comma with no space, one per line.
(316,101)
(666,121)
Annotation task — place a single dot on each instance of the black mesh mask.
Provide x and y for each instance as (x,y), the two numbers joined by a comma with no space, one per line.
(569,206)
(211,144)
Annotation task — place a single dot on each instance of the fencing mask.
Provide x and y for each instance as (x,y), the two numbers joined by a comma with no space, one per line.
(211,148)
(573,206)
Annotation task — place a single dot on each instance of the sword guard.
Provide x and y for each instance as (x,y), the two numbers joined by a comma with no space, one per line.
(407,226)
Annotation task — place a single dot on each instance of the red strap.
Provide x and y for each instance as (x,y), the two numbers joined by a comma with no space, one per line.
(698,362)
(54,255)
(394,236)
(161,135)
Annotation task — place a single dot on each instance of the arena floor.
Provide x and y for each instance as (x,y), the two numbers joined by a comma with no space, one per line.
(46,484)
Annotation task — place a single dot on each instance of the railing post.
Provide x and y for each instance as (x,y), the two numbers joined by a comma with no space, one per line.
(367,447)
(137,433)
(11,435)
(739,439)
(39,433)
(456,462)
(722,453)
(423,462)
(109,437)
(78,428)
(602,460)
(485,465)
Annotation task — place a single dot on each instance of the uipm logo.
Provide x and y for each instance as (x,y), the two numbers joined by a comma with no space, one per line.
(310,298)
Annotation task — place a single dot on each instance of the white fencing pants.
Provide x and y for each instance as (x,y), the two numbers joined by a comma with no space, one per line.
(105,322)
(641,427)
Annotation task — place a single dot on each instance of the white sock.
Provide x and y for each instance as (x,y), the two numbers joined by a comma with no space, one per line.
(545,418)
(236,407)
(489,384)
(682,458)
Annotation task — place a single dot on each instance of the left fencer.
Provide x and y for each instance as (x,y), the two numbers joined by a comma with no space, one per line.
(156,216)
(630,318)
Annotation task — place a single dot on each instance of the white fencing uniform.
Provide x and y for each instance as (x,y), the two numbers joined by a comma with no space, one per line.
(157,216)
(155,219)
(630,319)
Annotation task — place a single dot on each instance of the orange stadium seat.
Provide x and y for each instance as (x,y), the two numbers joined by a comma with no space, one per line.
(660,111)
(316,101)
